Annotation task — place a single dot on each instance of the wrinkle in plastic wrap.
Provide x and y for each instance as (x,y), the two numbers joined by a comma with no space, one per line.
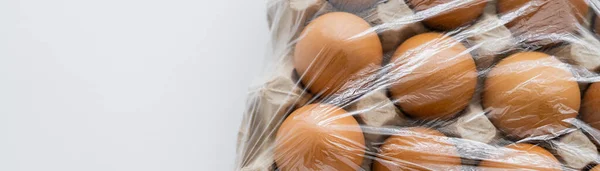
(382,85)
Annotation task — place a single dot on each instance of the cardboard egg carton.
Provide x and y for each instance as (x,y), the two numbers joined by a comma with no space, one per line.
(267,108)
(472,125)
(583,54)
(394,22)
(487,39)
(376,111)
(575,150)
(287,18)
(353,5)
(581,51)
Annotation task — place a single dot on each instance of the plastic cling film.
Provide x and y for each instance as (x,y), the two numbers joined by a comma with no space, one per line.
(381,85)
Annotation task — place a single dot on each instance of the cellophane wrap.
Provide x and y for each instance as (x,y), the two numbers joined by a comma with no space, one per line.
(426,85)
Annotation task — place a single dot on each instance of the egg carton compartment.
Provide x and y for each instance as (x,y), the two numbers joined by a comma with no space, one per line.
(490,36)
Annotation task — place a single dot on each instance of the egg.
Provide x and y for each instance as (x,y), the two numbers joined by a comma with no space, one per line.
(417,148)
(335,51)
(590,108)
(596,168)
(542,22)
(521,157)
(319,137)
(531,94)
(449,18)
(353,5)
(433,75)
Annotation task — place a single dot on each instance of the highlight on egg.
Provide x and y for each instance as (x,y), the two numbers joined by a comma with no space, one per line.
(336,53)
(449,14)
(521,156)
(531,94)
(319,136)
(433,75)
(417,148)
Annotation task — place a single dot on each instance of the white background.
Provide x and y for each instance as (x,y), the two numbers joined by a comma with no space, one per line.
(125,85)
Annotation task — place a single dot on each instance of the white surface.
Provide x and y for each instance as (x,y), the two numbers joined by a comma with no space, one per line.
(125,85)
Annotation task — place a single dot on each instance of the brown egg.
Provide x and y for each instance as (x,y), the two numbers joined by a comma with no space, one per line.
(531,94)
(417,149)
(590,108)
(333,49)
(319,137)
(434,76)
(521,157)
(542,22)
(596,168)
(449,19)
